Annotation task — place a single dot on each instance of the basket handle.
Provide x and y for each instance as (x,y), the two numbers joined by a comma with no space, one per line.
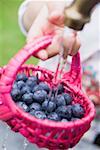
(7,77)
(1,71)
(19,59)
(5,113)
(74,76)
(30,49)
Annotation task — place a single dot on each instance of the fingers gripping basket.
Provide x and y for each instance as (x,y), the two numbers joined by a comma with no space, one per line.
(45,133)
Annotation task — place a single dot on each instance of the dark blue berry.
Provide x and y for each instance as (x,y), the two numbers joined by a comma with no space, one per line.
(25,89)
(53,92)
(48,106)
(44,86)
(40,115)
(45,105)
(52,98)
(54,116)
(31,83)
(64,112)
(68,98)
(32,112)
(20,84)
(40,96)
(40,87)
(74,119)
(64,120)
(22,77)
(28,98)
(15,85)
(16,95)
(60,89)
(36,88)
(77,111)
(60,100)
(33,78)
(35,106)
(23,106)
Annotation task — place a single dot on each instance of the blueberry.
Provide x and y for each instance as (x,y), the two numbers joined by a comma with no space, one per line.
(54,116)
(53,91)
(40,115)
(45,105)
(28,98)
(31,83)
(20,84)
(36,88)
(60,100)
(15,85)
(40,87)
(22,77)
(23,106)
(40,96)
(48,106)
(33,78)
(74,119)
(25,90)
(77,110)
(68,98)
(52,98)
(35,106)
(60,89)
(65,112)
(32,112)
(16,95)
(64,120)
(44,86)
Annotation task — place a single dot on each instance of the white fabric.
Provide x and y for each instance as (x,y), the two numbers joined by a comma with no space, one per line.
(21,12)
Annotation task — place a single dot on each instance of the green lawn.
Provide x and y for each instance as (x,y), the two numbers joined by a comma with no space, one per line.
(11,38)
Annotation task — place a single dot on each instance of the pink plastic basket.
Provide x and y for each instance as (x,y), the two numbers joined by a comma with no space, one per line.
(45,133)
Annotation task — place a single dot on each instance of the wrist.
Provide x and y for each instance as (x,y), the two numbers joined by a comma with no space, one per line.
(56,5)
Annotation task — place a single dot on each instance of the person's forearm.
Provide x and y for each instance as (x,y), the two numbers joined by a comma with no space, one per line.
(59,5)
(31,13)
(34,8)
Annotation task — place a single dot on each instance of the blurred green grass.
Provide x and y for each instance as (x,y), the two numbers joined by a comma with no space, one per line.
(11,38)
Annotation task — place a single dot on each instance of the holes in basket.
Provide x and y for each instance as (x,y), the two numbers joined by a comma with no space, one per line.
(51,144)
(61,146)
(56,136)
(32,60)
(34,70)
(30,72)
(61,135)
(65,136)
(47,134)
(73,132)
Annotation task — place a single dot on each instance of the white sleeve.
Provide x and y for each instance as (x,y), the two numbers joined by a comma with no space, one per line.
(21,12)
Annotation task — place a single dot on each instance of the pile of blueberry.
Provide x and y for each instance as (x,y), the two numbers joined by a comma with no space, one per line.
(38,99)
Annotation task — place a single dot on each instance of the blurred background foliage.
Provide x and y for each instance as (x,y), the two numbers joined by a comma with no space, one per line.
(11,38)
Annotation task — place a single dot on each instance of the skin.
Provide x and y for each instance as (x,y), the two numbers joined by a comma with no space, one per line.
(43,18)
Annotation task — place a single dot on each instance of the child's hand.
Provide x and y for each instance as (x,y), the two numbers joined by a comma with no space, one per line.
(52,23)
